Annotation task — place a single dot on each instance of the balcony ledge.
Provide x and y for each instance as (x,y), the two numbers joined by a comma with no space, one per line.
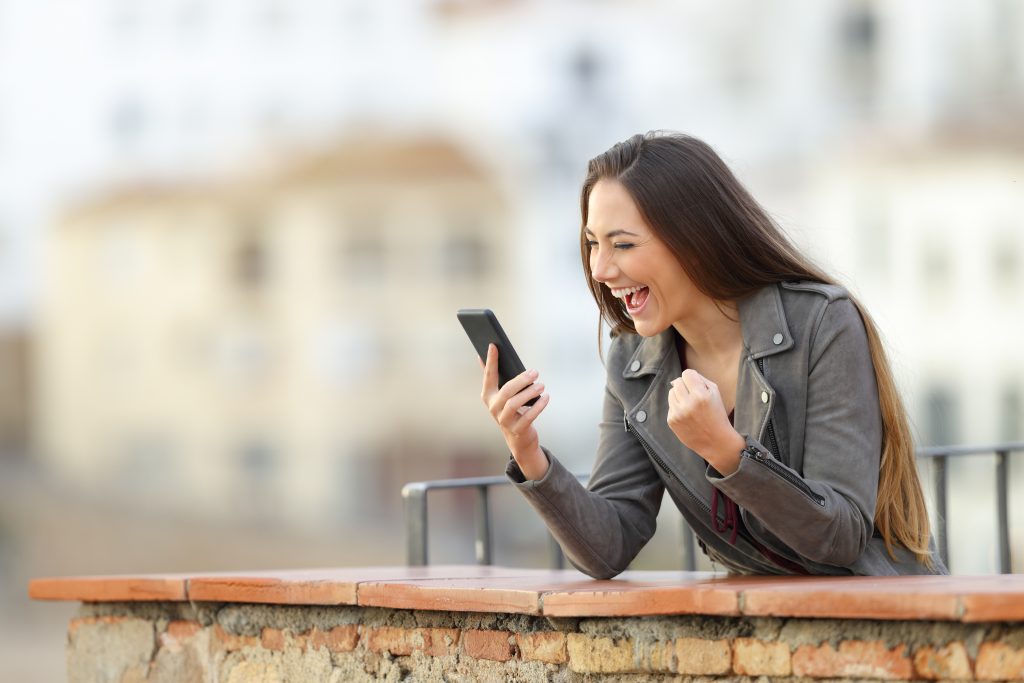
(568,593)
(441,623)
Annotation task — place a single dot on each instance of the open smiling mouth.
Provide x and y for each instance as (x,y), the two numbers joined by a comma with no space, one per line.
(635,297)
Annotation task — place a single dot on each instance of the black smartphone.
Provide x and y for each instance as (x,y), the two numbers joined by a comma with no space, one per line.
(483,328)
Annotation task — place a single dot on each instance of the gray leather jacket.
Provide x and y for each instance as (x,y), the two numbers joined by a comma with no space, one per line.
(807,403)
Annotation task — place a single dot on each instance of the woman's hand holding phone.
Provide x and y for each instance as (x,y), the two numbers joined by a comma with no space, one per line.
(507,406)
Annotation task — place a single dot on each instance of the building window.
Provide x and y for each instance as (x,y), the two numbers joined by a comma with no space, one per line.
(873,238)
(191,16)
(128,121)
(1005,266)
(125,17)
(121,254)
(858,44)
(346,354)
(464,257)
(1011,414)
(273,15)
(936,268)
(585,73)
(940,417)
(251,260)
(242,353)
(364,255)
(5,242)
(258,461)
(149,461)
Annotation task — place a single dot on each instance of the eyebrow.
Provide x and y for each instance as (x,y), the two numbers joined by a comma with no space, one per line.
(613,233)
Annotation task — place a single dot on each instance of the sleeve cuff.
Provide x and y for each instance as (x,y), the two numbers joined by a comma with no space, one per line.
(715,477)
(517,477)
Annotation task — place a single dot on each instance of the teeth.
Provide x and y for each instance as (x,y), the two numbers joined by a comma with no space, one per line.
(622,293)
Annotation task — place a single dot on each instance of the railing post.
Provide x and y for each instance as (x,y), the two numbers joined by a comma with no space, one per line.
(415,497)
(689,551)
(555,553)
(1002,503)
(939,472)
(483,526)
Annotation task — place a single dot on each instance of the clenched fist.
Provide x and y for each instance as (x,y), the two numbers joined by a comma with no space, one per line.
(697,416)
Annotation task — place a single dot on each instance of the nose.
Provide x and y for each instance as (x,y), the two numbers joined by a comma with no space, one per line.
(601,267)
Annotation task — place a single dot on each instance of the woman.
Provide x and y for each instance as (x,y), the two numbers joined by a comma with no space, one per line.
(741,379)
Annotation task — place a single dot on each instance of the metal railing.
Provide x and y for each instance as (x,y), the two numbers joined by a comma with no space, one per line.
(414,496)
(939,456)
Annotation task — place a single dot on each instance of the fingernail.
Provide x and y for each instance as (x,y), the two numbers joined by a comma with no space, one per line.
(533,373)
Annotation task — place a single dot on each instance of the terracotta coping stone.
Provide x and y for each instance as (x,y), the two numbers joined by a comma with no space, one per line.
(323,586)
(114,588)
(569,593)
(637,593)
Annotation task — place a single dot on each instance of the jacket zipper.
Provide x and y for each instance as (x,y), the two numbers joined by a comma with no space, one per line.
(773,446)
(772,464)
(775,466)
(661,463)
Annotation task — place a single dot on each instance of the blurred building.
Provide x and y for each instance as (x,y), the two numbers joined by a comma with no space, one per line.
(15,354)
(181,342)
(931,236)
(278,345)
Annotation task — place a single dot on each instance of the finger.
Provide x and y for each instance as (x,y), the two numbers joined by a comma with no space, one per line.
(676,390)
(679,386)
(517,384)
(713,391)
(490,381)
(694,381)
(510,411)
(530,414)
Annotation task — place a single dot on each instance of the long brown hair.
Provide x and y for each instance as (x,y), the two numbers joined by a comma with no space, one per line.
(730,247)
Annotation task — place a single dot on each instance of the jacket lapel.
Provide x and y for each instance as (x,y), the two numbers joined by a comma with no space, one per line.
(765,333)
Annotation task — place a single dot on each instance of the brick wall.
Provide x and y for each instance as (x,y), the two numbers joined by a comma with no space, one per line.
(233,643)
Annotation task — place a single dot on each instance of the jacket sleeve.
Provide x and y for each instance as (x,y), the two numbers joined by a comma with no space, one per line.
(826,513)
(603,526)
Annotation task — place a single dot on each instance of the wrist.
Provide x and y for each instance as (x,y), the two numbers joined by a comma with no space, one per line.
(726,458)
(533,464)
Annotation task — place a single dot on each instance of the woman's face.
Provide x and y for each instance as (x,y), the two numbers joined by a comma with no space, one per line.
(628,259)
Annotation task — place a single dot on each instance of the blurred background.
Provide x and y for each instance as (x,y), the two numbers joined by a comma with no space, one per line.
(234,234)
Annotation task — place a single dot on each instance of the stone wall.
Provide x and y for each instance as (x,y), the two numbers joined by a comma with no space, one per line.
(185,642)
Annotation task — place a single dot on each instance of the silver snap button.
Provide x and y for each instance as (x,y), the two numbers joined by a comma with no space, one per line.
(634,366)
(764,397)
(777,338)
(641,416)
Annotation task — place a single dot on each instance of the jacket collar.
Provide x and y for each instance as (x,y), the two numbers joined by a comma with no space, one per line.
(762,322)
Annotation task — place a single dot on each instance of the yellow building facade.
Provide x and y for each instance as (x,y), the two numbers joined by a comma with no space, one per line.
(283,344)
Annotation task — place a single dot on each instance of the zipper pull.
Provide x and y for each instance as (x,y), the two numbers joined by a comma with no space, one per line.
(756,454)
(625,423)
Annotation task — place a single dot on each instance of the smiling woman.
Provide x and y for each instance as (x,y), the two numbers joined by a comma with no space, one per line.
(741,380)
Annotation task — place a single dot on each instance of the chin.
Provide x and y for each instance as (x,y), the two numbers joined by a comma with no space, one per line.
(647,329)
